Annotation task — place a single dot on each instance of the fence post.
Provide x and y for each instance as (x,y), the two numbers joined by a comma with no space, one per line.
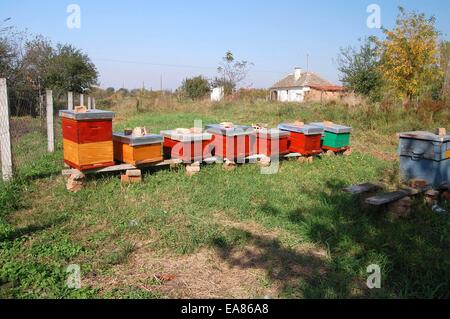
(70,101)
(5,138)
(89,102)
(93,103)
(81,100)
(50,132)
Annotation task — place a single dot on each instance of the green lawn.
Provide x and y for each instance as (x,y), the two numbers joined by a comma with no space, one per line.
(294,234)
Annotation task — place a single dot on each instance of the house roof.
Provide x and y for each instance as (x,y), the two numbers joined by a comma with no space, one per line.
(306,79)
(332,88)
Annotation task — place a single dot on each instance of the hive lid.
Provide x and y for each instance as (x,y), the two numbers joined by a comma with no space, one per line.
(138,140)
(426,136)
(333,128)
(88,115)
(305,129)
(236,130)
(271,132)
(188,137)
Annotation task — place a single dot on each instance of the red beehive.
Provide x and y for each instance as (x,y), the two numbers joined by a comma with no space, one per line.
(272,142)
(87,138)
(303,139)
(235,142)
(186,146)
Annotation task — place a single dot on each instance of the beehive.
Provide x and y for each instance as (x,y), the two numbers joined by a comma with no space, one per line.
(138,150)
(235,142)
(87,138)
(304,139)
(188,147)
(335,137)
(272,142)
(424,155)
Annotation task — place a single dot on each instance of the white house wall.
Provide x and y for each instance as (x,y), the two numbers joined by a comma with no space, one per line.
(292,95)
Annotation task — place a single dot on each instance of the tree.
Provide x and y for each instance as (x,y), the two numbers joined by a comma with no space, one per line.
(71,70)
(195,88)
(110,90)
(232,72)
(409,54)
(360,69)
(445,68)
(33,65)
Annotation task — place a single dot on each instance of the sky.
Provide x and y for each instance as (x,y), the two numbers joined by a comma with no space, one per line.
(137,42)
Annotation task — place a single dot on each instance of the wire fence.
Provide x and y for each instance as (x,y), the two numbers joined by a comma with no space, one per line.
(35,140)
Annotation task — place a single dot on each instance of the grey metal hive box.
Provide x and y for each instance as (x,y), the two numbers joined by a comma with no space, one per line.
(236,130)
(424,155)
(88,115)
(138,140)
(305,129)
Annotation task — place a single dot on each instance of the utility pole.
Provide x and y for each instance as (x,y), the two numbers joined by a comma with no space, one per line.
(307,62)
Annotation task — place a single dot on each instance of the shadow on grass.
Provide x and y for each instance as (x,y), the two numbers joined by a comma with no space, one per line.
(412,252)
(31,229)
(286,267)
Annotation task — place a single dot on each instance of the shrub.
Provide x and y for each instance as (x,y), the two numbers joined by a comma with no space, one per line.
(195,88)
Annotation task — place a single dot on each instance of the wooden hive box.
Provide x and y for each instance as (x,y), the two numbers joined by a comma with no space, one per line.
(236,142)
(305,139)
(272,142)
(188,147)
(87,139)
(138,150)
(336,137)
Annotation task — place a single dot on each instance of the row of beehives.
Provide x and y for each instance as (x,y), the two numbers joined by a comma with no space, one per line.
(89,142)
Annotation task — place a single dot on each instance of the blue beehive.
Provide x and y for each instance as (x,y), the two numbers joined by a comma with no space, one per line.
(424,155)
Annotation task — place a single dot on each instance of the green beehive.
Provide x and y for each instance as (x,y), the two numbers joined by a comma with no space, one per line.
(335,137)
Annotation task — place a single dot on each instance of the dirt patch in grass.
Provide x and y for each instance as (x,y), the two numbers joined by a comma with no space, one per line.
(259,267)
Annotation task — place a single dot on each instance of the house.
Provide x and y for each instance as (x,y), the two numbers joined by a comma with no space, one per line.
(217,94)
(303,86)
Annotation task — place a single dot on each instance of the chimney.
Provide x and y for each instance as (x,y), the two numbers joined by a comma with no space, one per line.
(297,73)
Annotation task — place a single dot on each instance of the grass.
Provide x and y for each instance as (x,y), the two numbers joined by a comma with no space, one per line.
(294,232)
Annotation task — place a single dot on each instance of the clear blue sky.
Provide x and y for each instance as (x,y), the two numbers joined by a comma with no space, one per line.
(136,41)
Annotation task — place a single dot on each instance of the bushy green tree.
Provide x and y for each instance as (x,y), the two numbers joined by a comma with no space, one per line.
(71,70)
(32,64)
(409,60)
(360,69)
(195,88)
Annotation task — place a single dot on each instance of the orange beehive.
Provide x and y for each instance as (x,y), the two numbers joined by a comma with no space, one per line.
(138,150)
(87,139)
